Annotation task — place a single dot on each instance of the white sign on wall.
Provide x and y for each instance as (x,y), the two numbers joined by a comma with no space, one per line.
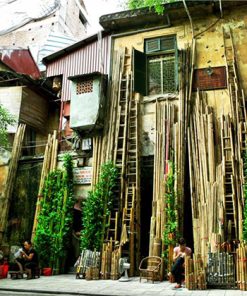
(82,175)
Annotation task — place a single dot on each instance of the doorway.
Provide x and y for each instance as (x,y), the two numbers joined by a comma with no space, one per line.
(187,219)
(147,170)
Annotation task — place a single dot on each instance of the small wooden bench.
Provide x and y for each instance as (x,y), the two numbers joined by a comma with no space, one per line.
(150,268)
(19,274)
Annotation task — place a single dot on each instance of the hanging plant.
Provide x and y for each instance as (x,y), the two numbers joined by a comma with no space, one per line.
(171,225)
(56,217)
(97,208)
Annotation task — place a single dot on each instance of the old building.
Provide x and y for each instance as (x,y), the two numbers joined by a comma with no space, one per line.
(180,146)
(81,70)
(33,103)
(174,124)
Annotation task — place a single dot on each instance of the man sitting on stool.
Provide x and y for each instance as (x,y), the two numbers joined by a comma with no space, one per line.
(30,258)
(179,254)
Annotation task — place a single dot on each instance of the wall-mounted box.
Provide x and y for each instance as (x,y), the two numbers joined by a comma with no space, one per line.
(88,101)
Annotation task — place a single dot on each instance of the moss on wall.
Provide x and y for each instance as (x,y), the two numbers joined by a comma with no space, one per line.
(22,208)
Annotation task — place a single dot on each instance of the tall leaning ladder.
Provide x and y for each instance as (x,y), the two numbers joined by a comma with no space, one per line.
(238,108)
(119,153)
(229,176)
(131,206)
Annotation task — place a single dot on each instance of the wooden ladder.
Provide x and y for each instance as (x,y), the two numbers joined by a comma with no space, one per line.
(119,154)
(238,102)
(131,212)
(229,176)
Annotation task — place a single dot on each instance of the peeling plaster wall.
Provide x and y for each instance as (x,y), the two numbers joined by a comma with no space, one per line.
(210,51)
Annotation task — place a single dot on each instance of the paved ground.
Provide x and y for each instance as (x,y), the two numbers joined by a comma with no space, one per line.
(68,285)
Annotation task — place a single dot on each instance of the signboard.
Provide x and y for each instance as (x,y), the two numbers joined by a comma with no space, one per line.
(210,78)
(82,175)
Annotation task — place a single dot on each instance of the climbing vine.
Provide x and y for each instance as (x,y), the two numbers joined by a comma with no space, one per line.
(97,208)
(56,216)
(245,197)
(170,229)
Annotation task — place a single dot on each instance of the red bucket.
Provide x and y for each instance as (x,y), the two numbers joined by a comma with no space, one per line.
(4,270)
(47,271)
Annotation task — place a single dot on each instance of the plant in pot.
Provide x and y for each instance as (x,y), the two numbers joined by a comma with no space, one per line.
(55,219)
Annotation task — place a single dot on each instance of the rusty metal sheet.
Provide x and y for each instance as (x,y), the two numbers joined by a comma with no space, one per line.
(210,78)
(21,61)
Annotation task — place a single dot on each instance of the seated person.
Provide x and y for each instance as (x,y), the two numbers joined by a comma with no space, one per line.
(29,259)
(179,254)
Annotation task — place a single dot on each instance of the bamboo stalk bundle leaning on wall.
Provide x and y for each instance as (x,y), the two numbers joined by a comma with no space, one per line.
(106,261)
(242,267)
(49,165)
(195,274)
(206,175)
(13,166)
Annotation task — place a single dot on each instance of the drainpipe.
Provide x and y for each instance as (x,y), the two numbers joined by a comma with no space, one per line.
(60,122)
(190,18)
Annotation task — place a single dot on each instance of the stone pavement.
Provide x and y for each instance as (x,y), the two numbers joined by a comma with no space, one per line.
(68,285)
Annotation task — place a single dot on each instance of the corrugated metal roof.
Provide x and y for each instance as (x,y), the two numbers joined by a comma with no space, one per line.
(54,43)
(72,47)
(21,61)
(84,59)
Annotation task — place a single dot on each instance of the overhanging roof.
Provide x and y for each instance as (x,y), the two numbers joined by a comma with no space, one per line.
(124,21)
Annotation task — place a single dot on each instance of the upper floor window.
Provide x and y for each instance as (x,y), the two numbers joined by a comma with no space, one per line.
(157,67)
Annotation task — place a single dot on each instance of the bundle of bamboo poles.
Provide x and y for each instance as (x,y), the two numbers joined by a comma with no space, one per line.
(166,149)
(106,260)
(116,254)
(103,145)
(49,165)
(13,166)
(241,268)
(195,274)
(206,176)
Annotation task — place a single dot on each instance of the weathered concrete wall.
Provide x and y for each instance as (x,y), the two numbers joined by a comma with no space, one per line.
(210,51)
(23,203)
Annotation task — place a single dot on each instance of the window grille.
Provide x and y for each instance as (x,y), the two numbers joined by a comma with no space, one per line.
(85,86)
(161,70)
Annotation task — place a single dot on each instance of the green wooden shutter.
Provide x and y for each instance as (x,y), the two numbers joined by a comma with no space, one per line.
(139,65)
(168,43)
(152,45)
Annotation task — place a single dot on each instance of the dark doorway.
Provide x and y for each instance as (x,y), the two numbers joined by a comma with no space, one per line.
(188,228)
(147,169)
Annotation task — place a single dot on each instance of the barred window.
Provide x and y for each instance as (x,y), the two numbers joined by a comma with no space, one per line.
(156,70)
(161,74)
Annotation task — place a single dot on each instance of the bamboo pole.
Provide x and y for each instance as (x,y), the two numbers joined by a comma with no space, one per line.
(11,177)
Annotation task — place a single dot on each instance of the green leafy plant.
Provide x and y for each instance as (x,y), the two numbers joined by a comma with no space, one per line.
(157,4)
(56,216)
(171,225)
(5,119)
(245,197)
(97,208)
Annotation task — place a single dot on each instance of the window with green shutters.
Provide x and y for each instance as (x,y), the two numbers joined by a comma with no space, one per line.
(156,70)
